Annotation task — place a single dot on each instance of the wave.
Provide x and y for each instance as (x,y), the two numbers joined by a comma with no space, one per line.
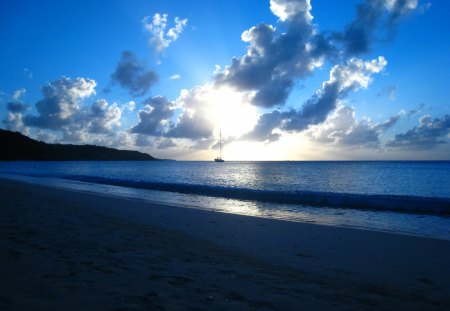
(397,203)
(377,202)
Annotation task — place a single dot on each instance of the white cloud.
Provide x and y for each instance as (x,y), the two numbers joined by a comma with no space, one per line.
(130,106)
(14,122)
(18,94)
(401,6)
(286,9)
(175,77)
(103,117)
(161,36)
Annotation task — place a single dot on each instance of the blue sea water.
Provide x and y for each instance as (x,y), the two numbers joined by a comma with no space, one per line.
(403,197)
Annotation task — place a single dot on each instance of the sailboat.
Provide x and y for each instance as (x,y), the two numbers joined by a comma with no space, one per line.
(219,158)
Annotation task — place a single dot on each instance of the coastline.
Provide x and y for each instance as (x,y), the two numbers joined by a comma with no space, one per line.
(72,250)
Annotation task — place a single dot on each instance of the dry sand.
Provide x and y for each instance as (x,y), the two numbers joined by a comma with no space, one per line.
(68,250)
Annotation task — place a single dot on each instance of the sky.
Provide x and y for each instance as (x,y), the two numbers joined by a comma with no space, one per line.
(281,79)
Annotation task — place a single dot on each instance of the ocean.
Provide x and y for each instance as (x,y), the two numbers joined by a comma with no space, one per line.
(394,196)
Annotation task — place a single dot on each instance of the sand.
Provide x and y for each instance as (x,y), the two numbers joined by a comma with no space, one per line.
(69,250)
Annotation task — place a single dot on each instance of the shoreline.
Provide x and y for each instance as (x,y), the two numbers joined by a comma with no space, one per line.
(70,249)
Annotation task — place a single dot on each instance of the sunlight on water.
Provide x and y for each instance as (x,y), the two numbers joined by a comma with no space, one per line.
(411,224)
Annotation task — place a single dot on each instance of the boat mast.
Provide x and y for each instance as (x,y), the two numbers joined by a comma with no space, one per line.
(220,143)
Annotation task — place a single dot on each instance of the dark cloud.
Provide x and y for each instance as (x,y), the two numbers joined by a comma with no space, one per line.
(343,79)
(16,106)
(154,117)
(133,75)
(143,141)
(375,20)
(166,143)
(273,61)
(429,134)
(192,127)
(263,129)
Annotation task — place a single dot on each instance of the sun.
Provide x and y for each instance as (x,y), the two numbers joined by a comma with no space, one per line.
(231,112)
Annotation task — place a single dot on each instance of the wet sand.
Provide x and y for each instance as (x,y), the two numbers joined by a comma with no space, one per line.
(69,250)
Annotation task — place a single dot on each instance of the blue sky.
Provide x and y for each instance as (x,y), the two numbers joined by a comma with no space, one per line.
(283,79)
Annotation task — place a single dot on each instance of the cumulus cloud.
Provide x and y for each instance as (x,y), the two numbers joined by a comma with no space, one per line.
(429,134)
(133,75)
(14,122)
(289,9)
(194,123)
(160,35)
(103,117)
(61,102)
(353,75)
(63,108)
(273,61)
(342,128)
(154,119)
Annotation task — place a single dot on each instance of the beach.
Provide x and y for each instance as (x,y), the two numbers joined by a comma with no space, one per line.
(74,250)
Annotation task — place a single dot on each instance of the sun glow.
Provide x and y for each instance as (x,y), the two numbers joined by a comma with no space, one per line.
(231,112)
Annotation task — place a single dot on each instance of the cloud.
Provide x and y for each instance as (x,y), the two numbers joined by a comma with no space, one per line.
(206,109)
(195,122)
(103,118)
(143,141)
(154,119)
(273,61)
(130,106)
(61,103)
(372,17)
(290,9)
(429,134)
(342,128)
(390,92)
(161,36)
(353,75)
(15,122)
(166,144)
(263,131)
(18,94)
(133,75)
(45,136)
(175,77)
(16,106)
(63,109)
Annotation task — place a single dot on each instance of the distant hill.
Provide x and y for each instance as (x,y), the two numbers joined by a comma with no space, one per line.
(15,146)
